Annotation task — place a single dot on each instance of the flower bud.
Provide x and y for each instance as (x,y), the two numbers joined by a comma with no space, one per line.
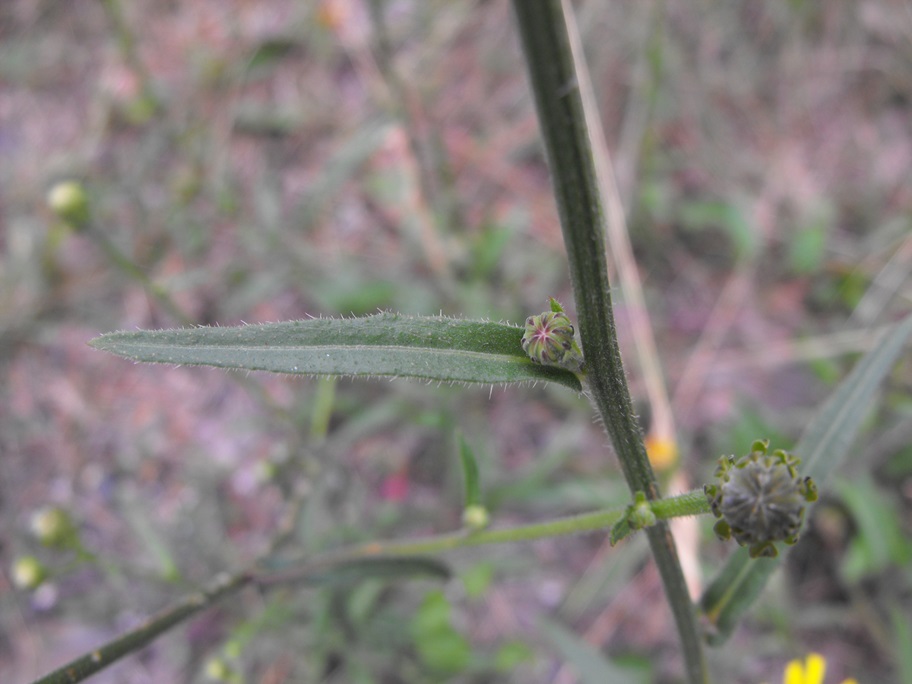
(475,518)
(53,527)
(662,452)
(549,339)
(217,670)
(760,499)
(27,572)
(640,513)
(69,201)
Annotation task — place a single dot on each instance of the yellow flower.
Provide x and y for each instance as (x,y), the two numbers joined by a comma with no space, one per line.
(663,453)
(811,671)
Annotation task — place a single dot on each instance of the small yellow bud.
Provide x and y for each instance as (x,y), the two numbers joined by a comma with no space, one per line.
(475,518)
(52,526)
(69,201)
(662,452)
(640,514)
(28,572)
(332,14)
(217,670)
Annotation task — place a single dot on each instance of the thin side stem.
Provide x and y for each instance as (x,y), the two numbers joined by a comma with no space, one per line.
(546,44)
(126,43)
(160,294)
(576,524)
(129,268)
(691,503)
(682,505)
(406,105)
(90,663)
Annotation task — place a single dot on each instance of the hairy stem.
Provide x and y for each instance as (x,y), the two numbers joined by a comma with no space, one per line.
(585,522)
(549,57)
(690,503)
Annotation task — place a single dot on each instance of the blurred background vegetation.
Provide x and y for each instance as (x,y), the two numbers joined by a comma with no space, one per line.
(268,160)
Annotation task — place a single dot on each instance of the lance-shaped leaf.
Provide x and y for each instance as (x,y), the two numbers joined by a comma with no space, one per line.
(386,344)
(469,473)
(825,444)
(355,570)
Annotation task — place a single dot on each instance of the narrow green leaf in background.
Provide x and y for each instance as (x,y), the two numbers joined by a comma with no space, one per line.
(477,579)
(879,541)
(902,644)
(386,344)
(827,439)
(469,473)
(321,413)
(592,666)
(824,445)
(352,571)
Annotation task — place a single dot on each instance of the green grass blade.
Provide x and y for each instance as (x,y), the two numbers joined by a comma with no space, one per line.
(469,473)
(902,644)
(359,569)
(732,593)
(592,666)
(392,345)
(827,440)
(824,445)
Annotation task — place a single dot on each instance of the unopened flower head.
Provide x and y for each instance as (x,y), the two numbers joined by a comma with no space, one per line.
(549,339)
(760,499)
(475,517)
(69,201)
(217,670)
(52,526)
(27,572)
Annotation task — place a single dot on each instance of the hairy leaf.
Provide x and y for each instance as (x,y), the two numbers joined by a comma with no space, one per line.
(430,348)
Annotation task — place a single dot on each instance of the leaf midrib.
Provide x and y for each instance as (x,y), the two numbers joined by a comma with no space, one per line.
(447,351)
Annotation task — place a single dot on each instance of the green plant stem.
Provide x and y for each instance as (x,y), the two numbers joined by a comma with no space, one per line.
(321,414)
(126,43)
(690,503)
(161,295)
(405,105)
(549,57)
(100,658)
(131,270)
(585,522)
